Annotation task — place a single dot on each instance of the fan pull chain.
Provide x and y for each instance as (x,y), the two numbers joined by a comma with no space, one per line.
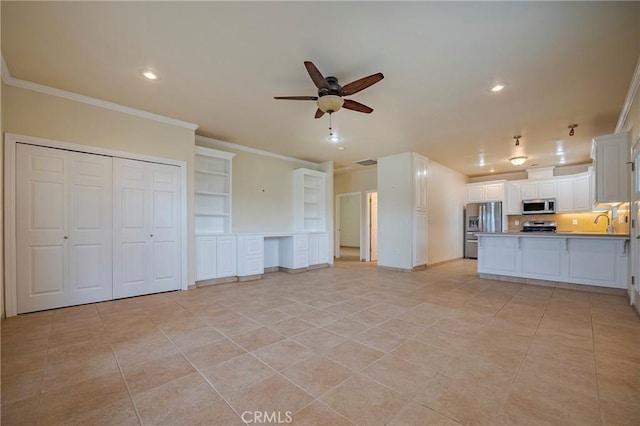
(330,125)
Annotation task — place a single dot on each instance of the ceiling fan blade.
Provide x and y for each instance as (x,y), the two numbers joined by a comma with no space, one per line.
(361,84)
(356,106)
(316,76)
(319,113)
(297,98)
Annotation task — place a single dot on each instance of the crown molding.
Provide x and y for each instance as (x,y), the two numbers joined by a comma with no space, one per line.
(628,102)
(216,142)
(35,87)
(4,70)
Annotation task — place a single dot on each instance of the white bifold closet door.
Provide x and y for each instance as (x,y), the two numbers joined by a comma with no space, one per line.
(64,228)
(146,237)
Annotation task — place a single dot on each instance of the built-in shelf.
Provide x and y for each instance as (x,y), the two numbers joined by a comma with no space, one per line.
(212,202)
(309,200)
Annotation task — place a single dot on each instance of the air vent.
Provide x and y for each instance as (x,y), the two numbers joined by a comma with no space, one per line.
(368,162)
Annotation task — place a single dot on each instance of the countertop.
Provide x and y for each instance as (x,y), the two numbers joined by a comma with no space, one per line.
(555,234)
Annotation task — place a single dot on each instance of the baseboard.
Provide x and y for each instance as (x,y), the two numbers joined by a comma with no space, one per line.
(272,269)
(556,284)
(319,266)
(293,271)
(225,280)
(394,269)
(250,278)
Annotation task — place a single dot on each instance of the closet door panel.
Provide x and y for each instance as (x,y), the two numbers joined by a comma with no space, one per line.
(90,228)
(165,227)
(41,227)
(132,251)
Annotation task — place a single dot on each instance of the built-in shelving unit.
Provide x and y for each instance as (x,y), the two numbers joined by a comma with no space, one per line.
(212,191)
(309,200)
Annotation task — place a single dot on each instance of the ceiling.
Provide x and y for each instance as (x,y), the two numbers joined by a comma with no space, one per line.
(221,63)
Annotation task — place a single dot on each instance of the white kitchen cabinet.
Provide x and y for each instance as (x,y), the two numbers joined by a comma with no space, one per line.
(482,192)
(514,198)
(250,255)
(610,155)
(421,225)
(533,190)
(420,169)
(212,198)
(318,244)
(574,194)
(215,257)
(578,259)
(309,200)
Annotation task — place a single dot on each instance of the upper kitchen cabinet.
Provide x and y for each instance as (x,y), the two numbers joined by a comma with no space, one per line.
(610,155)
(212,204)
(309,200)
(485,191)
(574,193)
(514,198)
(533,190)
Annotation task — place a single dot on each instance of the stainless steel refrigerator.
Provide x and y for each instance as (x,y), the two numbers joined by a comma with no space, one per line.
(480,217)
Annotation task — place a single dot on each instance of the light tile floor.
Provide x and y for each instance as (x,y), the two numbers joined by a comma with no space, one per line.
(345,345)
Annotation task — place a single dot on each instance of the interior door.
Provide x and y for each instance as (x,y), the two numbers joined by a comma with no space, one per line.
(146,228)
(63,226)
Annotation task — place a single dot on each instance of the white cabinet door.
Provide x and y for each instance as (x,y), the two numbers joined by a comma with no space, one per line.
(226,256)
(206,256)
(63,228)
(314,249)
(565,195)
(514,198)
(611,168)
(420,183)
(300,251)
(420,239)
(250,255)
(475,194)
(494,192)
(547,189)
(529,190)
(146,228)
(582,200)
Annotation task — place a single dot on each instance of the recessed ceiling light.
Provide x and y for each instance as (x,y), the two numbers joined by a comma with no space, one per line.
(562,160)
(498,87)
(334,138)
(341,148)
(491,171)
(149,75)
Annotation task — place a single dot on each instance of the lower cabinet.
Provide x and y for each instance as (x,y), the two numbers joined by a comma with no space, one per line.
(294,252)
(250,255)
(215,257)
(318,249)
(599,261)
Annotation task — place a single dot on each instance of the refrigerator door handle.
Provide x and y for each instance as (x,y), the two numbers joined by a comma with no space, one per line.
(481,218)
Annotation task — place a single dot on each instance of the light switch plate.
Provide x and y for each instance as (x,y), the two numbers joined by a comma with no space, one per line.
(574,221)
(517,222)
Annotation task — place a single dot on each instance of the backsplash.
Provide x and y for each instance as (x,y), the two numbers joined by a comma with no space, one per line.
(584,221)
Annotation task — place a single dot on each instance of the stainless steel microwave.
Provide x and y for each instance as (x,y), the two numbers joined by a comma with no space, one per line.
(542,206)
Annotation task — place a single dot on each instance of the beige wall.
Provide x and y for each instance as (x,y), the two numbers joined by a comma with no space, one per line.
(262,191)
(36,114)
(356,181)
(446,197)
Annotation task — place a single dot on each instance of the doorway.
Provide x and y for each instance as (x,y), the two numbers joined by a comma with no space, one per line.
(371,227)
(348,226)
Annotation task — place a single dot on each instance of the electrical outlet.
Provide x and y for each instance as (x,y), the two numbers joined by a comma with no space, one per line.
(574,221)
(517,222)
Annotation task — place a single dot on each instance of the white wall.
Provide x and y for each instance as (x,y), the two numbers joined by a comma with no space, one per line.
(395,211)
(350,220)
(446,199)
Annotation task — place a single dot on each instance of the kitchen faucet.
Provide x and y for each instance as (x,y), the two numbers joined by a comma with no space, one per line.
(609,226)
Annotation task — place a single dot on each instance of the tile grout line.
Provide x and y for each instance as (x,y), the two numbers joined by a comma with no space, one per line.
(595,361)
(44,367)
(124,379)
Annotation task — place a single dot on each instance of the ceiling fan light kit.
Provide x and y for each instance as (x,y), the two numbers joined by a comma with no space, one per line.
(518,161)
(330,103)
(330,93)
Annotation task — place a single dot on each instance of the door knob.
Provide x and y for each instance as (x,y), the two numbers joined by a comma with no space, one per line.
(65,237)
(151,235)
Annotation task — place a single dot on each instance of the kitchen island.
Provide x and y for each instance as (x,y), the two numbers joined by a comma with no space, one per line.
(592,259)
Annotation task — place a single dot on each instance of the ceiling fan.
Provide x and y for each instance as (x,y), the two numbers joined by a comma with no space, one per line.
(330,93)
